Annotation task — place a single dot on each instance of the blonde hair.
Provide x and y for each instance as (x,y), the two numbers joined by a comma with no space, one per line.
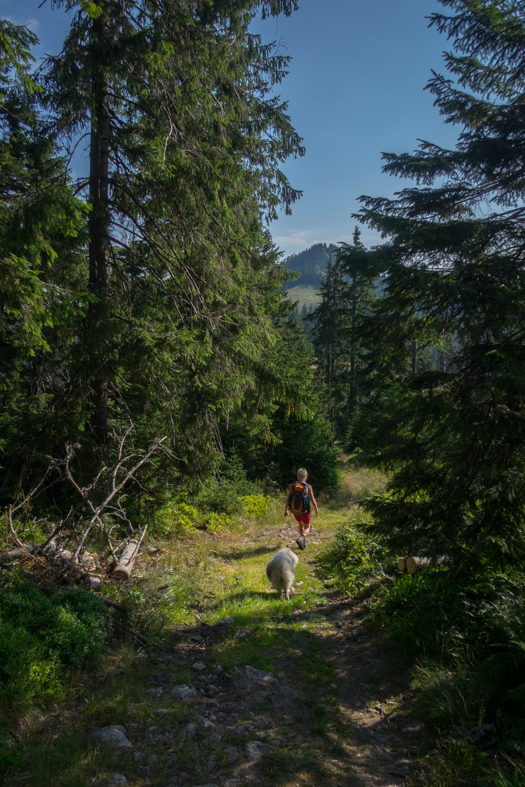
(302,474)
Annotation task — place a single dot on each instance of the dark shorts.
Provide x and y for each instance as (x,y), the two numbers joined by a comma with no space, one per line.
(304,518)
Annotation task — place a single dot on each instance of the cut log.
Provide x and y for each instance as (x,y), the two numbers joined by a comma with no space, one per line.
(401,564)
(93,583)
(415,563)
(124,566)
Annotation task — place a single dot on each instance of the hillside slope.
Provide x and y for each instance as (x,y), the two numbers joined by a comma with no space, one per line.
(310,264)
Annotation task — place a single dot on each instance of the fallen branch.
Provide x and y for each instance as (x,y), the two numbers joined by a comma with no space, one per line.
(64,550)
(10,528)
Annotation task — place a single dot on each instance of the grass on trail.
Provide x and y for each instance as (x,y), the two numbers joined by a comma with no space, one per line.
(200,579)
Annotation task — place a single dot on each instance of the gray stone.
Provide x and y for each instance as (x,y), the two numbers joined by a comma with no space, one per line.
(138,755)
(216,738)
(287,693)
(212,762)
(243,634)
(183,692)
(114,735)
(188,730)
(218,670)
(117,779)
(164,712)
(256,749)
(259,676)
(198,666)
(206,723)
(231,752)
(211,689)
(227,621)
(481,733)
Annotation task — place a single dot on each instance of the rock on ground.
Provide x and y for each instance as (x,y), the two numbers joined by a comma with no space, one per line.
(256,749)
(114,735)
(259,676)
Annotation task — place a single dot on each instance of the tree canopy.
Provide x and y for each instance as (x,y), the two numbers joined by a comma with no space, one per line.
(454,274)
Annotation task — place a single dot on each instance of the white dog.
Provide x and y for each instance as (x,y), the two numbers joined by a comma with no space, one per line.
(281,570)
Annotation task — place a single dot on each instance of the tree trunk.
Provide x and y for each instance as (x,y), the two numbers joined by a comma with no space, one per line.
(99,219)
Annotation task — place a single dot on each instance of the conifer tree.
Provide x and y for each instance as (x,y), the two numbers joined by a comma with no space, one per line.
(454,436)
(42,291)
(186,141)
(332,350)
(352,260)
(342,359)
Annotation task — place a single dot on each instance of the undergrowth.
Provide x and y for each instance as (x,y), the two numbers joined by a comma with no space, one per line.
(41,632)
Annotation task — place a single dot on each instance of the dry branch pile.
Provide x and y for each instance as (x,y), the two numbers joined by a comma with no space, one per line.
(96,515)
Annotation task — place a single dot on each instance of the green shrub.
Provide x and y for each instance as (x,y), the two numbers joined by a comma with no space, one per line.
(175,518)
(469,636)
(355,558)
(255,505)
(225,494)
(40,634)
(215,522)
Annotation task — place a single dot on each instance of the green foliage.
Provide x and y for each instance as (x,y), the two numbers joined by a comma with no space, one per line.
(294,433)
(215,522)
(356,557)
(453,432)
(469,636)
(255,505)
(512,776)
(175,518)
(343,368)
(224,495)
(41,635)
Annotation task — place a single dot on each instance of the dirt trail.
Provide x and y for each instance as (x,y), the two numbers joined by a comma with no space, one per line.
(336,713)
(255,690)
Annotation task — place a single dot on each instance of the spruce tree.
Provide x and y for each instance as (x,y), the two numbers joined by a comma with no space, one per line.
(332,350)
(186,141)
(42,287)
(454,436)
(352,259)
(342,359)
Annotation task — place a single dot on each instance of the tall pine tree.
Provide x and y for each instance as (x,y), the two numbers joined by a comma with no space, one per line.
(455,281)
(185,144)
(42,285)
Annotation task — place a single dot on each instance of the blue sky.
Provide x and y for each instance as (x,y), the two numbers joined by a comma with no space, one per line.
(355,89)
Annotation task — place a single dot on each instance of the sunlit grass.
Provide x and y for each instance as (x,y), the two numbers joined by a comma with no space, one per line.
(199,577)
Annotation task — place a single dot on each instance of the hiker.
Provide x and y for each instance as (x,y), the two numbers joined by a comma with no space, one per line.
(298,501)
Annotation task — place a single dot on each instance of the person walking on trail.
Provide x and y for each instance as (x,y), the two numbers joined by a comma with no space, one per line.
(298,501)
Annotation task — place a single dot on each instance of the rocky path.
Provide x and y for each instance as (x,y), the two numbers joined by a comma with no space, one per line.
(332,710)
(251,690)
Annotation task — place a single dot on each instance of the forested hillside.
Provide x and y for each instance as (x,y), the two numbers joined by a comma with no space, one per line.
(159,390)
(310,264)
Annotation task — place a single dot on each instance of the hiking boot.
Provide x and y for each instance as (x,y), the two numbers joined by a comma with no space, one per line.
(301,542)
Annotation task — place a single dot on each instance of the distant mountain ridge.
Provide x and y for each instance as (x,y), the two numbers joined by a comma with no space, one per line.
(310,263)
